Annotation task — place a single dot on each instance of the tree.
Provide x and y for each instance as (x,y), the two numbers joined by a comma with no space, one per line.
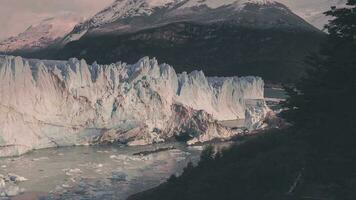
(323,104)
(322,107)
(207,155)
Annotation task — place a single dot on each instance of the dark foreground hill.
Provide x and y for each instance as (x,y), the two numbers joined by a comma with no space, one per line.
(277,165)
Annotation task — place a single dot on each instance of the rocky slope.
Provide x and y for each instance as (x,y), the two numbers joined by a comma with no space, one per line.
(60,103)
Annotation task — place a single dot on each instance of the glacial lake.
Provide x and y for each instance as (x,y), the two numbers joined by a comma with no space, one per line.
(97,172)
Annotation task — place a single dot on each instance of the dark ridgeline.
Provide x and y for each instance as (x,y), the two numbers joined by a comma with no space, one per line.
(217,49)
(313,159)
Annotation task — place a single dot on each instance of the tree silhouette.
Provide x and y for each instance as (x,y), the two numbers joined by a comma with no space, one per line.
(323,104)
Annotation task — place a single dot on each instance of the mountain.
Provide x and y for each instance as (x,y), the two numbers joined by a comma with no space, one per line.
(124,11)
(41,35)
(242,37)
(128,16)
(313,11)
(64,103)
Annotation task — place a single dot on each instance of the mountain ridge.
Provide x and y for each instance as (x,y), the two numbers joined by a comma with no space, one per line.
(133,15)
(242,38)
(41,35)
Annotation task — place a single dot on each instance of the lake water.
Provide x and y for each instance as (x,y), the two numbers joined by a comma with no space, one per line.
(97,172)
(275,93)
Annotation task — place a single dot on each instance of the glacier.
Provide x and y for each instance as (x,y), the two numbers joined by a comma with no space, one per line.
(47,103)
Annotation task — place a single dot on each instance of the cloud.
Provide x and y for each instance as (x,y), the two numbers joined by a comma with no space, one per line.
(17,15)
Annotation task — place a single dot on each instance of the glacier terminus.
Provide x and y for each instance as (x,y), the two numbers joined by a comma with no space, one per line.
(47,103)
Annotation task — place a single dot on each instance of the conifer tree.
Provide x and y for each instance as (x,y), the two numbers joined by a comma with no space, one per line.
(323,105)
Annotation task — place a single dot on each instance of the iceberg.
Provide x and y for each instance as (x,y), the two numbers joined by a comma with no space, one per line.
(47,103)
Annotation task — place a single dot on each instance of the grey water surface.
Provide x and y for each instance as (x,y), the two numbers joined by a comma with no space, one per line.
(97,172)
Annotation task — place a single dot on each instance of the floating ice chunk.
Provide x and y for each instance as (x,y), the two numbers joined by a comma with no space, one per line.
(16,178)
(126,158)
(12,190)
(2,183)
(196,147)
(72,172)
(8,185)
(65,186)
(39,159)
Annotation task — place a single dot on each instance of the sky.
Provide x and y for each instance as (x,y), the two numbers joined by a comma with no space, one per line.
(312,10)
(17,15)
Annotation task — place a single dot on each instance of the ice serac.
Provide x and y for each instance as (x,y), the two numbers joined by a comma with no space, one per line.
(59,103)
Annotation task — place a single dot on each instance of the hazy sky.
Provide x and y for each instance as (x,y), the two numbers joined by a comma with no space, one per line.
(17,15)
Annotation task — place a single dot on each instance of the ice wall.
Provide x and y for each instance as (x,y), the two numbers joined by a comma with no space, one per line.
(58,103)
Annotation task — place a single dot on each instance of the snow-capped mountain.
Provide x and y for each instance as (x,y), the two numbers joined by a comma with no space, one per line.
(133,15)
(121,12)
(124,10)
(263,38)
(41,35)
(60,103)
